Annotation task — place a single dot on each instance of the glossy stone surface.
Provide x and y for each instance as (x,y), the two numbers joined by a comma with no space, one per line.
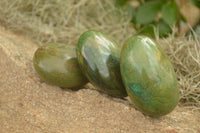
(149,76)
(57,65)
(98,57)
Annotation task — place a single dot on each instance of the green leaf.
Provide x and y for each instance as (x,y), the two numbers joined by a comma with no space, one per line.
(163,28)
(196,3)
(149,29)
(148,11)
(170,13)
(121,2)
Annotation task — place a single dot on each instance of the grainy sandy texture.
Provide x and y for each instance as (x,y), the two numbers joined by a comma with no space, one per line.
(29,105)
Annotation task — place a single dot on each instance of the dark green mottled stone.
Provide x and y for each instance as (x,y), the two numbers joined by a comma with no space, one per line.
(98,57)
(57,65)
(149,76)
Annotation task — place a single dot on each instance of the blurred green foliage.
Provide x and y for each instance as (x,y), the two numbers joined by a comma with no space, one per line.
(155,14)
(147,12)
(196,3)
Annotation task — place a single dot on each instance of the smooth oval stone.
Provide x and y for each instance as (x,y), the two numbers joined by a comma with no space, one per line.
(98,57)
(57,65)
(148,76)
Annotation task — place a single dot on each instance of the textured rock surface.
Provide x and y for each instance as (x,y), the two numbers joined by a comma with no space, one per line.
(28,105)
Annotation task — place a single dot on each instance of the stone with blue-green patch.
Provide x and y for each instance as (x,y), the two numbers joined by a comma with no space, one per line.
(98,56)
(148,76)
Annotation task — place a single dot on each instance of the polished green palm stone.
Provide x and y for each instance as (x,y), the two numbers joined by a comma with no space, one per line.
(57,65)
(98,57)
(148,76)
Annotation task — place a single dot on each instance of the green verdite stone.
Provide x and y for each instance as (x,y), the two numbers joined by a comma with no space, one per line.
(98,57)
(148,76)
(57,65)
